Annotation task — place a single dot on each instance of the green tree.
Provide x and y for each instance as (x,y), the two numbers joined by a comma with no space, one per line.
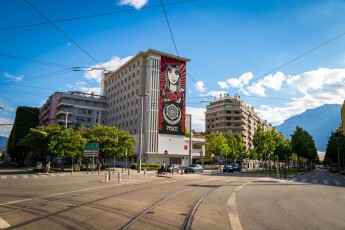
(26,118)
(126,143)
(264,143)
(217,145)
(304,146)
(236,146)
(335,145)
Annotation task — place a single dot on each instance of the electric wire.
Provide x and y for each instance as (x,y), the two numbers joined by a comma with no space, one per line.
(172,37)
(61,31)
(93,15)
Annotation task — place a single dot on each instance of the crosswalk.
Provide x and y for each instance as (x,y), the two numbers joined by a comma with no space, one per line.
(318,181)
(29,176)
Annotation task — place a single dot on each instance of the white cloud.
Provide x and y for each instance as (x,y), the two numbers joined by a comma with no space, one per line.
(241,81)
(316,88)
(257,89)
(95,72)
(200,87)
(84,87)
(12,77)
(5,129)
(223,85)
(137,4)
(274,81)
(198,118)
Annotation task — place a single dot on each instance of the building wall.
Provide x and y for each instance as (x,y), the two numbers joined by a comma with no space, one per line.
(231,115)
(343,118)
(125,89)
(80,108)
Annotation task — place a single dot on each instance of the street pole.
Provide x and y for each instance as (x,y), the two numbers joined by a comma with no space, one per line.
(66,120)
(141,132)
(126,160)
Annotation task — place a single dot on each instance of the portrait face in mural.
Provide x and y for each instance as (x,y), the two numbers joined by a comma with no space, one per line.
(173,74)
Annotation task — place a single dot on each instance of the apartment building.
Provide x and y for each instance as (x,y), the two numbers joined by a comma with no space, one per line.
(341,129)
(146,97)
(231,115)
(74,109)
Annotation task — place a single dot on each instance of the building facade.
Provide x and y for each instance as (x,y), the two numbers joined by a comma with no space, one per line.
(231,115)
(74,109)
(146,97)
(342,126)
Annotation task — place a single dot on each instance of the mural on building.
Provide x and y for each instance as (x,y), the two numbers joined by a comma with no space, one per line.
(172,99)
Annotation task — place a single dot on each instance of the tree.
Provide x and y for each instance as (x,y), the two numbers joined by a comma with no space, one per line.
(26,118)
(304,146)
(335,145)
(217,145)
(236,146)
(264,143)
(125,144)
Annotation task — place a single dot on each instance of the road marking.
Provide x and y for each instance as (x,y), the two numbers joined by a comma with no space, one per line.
(14,177)
(3,177)
(14,202)
(325,182)
(25,176)
(304,180)
(232,213)
(337,182)
(4,224)
(34,176)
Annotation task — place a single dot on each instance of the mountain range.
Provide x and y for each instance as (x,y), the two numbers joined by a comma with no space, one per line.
(319,123)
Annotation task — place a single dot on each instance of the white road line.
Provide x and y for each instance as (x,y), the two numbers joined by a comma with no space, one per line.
(34,176)
(337,182)
(304,180)
(3,177)
(4,224)
(14,177)
(25,176)
(14,202)
(232,211)
(325,182)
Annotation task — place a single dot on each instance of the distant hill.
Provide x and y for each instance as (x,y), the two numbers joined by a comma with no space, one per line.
(318,122)
(3,141)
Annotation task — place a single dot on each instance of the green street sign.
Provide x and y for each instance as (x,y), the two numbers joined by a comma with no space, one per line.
(91,147)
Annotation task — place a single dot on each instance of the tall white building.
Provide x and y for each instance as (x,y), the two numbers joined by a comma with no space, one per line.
(146,96)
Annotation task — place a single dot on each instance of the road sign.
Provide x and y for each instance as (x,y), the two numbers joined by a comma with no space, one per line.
(91,147)
(165,151)
(91,153)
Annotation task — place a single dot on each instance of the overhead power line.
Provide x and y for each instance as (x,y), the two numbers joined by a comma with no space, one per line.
(91,16)
(61,31)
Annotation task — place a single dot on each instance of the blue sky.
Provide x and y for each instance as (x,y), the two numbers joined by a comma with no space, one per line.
(244,47)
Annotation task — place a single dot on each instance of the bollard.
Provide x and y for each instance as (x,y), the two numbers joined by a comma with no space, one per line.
(129,174)
(106,176)
(122,170)
(109,174)
(144,172)
(181,171)
(119,177)
(172,171)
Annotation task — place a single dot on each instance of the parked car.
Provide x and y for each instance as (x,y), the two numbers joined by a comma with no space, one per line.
(228,168)
(236,167)
(173,168)
(193,168)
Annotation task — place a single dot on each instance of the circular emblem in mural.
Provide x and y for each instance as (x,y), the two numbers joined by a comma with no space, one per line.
(172,114)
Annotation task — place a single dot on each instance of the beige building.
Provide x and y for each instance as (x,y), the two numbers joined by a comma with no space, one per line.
(74,109)
(231,115)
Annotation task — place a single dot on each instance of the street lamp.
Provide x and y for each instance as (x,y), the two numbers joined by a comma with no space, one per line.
(141,131)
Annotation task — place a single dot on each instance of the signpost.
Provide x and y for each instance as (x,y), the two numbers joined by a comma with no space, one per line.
(91,150)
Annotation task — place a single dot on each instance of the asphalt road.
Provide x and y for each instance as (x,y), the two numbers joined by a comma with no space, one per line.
(315,200)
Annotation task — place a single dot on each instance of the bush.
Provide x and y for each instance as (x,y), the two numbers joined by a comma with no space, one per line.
(148,167)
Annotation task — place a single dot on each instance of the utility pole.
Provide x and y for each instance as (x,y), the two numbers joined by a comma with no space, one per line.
(190,140)
(141,131)
(66,120)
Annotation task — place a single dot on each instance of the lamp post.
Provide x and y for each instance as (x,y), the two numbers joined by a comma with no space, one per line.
(141,131)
